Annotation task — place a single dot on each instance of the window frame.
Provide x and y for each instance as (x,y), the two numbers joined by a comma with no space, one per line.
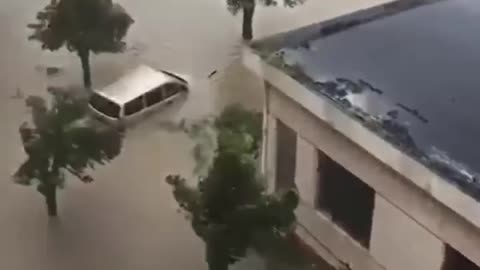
(106,101)
(168,86)
(453,259)
(158,90)
(286,156)
(125,106)
(338,190)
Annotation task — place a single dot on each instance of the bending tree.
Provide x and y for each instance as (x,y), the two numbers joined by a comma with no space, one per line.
(229,208)
(62,141)
(82,26)
(248,9)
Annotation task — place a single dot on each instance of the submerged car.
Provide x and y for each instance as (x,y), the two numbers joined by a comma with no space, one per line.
(141,90)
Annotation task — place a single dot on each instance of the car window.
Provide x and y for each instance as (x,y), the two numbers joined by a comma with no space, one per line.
(105,106)
(134,106)
(155,96)
(171,89)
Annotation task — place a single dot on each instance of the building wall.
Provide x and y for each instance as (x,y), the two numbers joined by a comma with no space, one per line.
(306,171)
(407,218)
(399,243)
(436,204)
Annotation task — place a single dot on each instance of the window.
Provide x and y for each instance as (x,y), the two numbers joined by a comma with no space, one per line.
(105,106)
(155,96)
(171,89)
(286,156)
(454,260)
(134,106)
(346,199)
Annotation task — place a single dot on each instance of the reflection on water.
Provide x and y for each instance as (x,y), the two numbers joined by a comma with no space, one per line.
(403,85)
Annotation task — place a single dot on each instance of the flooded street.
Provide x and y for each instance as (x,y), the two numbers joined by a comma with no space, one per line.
(127,218)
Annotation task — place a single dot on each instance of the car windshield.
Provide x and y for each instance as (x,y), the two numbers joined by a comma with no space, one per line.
(105,106)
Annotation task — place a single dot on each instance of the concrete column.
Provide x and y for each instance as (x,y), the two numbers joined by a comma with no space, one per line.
(399,243)
(271,152)
(306,171)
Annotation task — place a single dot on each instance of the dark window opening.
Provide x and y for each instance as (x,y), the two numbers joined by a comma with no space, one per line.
(286,156)
(171,89)
(346,199)
(454,260)
(153,97)
(134,106)
(105,106)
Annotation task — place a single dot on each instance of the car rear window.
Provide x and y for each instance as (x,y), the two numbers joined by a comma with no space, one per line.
(105,106)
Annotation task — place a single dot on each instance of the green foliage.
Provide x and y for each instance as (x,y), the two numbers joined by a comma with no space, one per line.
(229,208)
(61,139)
(82,26)
(95,25)
(240,130)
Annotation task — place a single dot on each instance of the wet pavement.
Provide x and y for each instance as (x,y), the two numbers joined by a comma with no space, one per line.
(127,218)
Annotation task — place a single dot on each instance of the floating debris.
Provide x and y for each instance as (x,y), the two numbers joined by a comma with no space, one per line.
(350,85)
(413,112)
(399,132)
(393,114)
(332,89)
(305,45)
(212,73)
(343,80)
(370,87)
(35,25)
(52,71)
(454,170)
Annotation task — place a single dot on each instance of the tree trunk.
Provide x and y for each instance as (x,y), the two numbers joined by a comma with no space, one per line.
(51,200)
(247,29)
(84,55)
(217,254)
(218,265)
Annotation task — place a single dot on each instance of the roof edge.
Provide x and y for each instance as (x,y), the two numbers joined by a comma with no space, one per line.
(440,188)
(336,24)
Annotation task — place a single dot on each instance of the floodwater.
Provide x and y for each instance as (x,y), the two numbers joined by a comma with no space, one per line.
(435,94)
(127,218)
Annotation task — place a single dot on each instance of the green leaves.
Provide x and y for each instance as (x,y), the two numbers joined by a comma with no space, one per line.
(63,139)
(229,207)
(96,25)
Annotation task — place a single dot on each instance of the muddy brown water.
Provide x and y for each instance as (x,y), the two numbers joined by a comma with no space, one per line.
(127,218)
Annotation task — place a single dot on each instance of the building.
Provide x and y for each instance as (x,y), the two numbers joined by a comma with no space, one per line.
(374,118)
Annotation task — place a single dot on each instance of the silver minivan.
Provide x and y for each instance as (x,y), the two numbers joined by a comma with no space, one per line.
(141,90)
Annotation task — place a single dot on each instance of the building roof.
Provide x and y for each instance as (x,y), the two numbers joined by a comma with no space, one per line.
(135,83)
(406,70)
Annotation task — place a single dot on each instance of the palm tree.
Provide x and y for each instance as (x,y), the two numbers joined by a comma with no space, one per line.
(61,140)
(82,26)
(248,8)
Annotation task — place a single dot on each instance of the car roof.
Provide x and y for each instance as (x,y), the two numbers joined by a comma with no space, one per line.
(135,83)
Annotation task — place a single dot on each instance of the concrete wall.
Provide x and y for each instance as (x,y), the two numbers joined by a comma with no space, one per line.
(399,243)
(406,216)
(306,171)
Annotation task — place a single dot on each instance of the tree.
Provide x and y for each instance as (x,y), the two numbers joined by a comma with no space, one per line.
(62,140)
(82,26)
(248,9)
(229,208)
